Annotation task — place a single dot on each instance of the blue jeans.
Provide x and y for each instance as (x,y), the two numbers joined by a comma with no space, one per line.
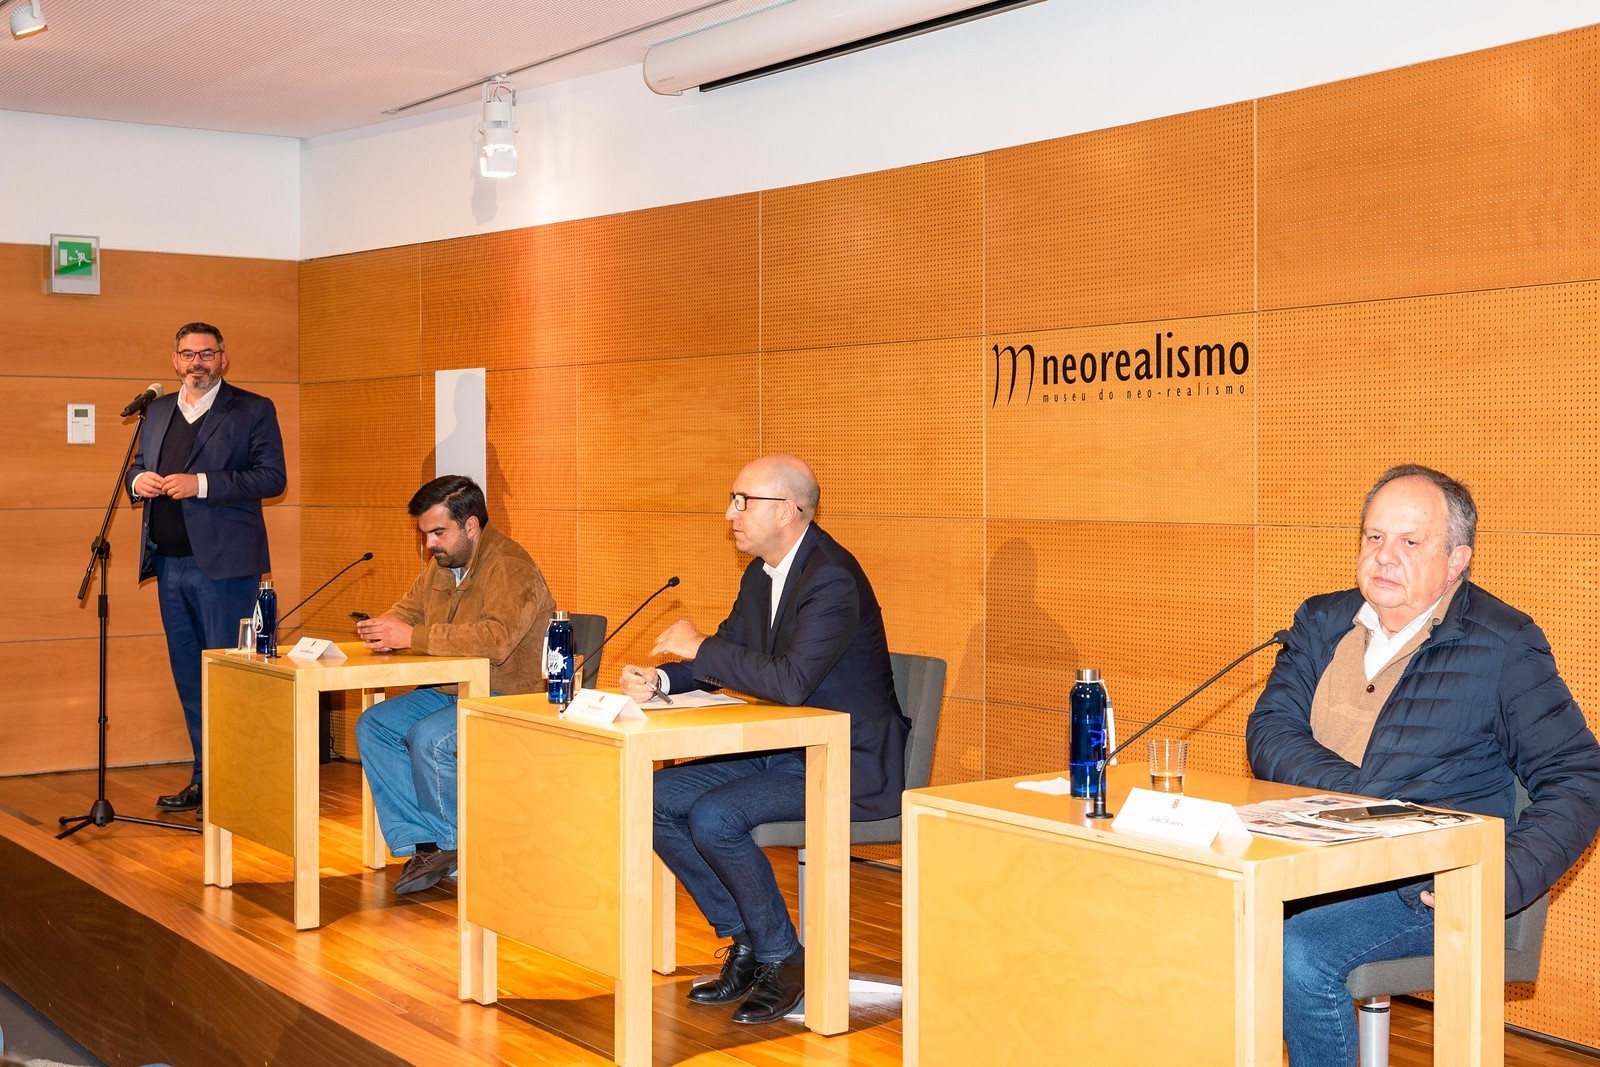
(1322,944)
(704,813)
(408,753)
(198,613)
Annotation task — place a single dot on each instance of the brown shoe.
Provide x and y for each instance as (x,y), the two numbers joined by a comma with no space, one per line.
(426,870)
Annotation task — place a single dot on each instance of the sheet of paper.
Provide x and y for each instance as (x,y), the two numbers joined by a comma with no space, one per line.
(693,699)
(1056,787)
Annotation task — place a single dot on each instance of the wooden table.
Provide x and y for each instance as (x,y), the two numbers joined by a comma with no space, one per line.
(260,733)
(1030,930)
(555,844)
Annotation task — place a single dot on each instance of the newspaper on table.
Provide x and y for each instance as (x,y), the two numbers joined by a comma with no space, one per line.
(1306,819)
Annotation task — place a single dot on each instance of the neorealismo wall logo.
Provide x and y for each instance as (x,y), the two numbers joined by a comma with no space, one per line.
(1023,375)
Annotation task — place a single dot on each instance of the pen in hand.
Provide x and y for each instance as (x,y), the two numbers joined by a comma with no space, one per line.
(655,691)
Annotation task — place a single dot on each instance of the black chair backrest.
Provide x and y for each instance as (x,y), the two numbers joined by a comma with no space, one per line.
(919,684)
(588,634)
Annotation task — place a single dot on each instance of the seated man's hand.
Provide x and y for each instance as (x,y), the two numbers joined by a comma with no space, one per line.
(1427,897)
(680,639)
(638,683)
(385,633)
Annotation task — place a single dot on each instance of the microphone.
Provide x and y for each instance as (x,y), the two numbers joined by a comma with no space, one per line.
(321,587)
(596,650)
(142,401)
(1099,811)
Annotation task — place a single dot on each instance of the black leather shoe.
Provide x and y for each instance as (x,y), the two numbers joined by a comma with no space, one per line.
(779,989)
(185,799)
(739,966)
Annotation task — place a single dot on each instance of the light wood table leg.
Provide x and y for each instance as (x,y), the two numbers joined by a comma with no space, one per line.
(1469,959)
(218,855)
(307,809)
(827,918)
(479,964)
(1258,976)
(664,890)
(640,884)
(374,851)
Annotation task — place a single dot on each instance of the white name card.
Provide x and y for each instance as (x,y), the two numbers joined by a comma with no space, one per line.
(316,648)
(601,709)
(1175,817)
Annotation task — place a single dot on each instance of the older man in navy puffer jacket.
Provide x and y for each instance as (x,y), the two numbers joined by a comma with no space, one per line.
(1421,686)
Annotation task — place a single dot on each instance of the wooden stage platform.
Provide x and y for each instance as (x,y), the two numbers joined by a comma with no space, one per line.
(111,934)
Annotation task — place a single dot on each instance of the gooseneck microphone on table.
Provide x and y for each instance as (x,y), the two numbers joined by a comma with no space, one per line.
(618,629)
(142,401)
(1099,809)
(323,586)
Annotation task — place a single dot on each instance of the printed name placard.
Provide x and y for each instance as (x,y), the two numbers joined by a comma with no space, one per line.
(316,648)
(601,709)
(1174,817)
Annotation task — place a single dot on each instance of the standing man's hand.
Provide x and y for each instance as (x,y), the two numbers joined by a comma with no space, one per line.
(680,639)
(181,486)
(148,484)
(385,633)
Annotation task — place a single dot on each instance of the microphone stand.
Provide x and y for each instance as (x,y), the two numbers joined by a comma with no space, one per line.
(1099,809)
(595,651)
(101,813)
(321,587)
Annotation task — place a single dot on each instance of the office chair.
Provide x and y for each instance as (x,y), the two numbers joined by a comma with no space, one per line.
(588,634)
(1372,984)
(919,683)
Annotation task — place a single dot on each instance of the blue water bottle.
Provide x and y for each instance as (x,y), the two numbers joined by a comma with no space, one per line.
(1087,745)
(558,659)
(265,619)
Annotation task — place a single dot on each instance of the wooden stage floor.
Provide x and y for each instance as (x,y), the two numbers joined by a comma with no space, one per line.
(111,934)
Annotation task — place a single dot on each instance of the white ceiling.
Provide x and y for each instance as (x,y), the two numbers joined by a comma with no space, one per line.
(300,69)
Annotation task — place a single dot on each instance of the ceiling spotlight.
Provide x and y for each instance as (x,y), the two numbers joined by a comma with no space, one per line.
(497,156)
(27,20)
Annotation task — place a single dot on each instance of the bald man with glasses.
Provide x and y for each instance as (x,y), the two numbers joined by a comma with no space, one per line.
(806,629)
(209,454)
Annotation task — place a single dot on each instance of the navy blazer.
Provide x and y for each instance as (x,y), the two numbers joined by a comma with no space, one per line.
(240,451)
(826,649)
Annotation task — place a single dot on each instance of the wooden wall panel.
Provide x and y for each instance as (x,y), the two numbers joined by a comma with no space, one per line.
(551,538)
(669,435)
(1473,172)
(624,556)
(533,440)
(1175,449)
(144,297)
(1489,387)
(333,537)
(958,755)
(361,443)
(670,281)
(478,300)
(55,726)
(360,315)
(1152,607)
(889,429)
(56,543)
(891,256)
(1152,220)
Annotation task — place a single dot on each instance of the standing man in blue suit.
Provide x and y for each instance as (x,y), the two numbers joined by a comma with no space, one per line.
(208,455)
(805,630)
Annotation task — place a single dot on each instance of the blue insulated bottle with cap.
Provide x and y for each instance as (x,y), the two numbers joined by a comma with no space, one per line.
(265,619)
(558,659)
(1087,744)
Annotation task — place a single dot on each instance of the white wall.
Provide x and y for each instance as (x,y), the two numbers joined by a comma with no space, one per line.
(606,144)
(148,188)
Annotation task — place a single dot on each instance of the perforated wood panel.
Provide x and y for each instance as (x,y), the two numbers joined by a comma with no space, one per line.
(1473,172)
(361,442)
(1494,388)
(666,435)
(335,536)
(1148,422)
(479,297)
(359,315)
(532,439)
(889,429)
(890,256)
(1151,220)
(670,281)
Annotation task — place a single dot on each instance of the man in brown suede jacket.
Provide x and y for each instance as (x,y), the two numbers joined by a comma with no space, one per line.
(485,598)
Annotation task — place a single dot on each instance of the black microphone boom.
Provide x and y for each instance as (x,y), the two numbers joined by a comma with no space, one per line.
(321,587)
(142,401)
(1099,812)
(618,629)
